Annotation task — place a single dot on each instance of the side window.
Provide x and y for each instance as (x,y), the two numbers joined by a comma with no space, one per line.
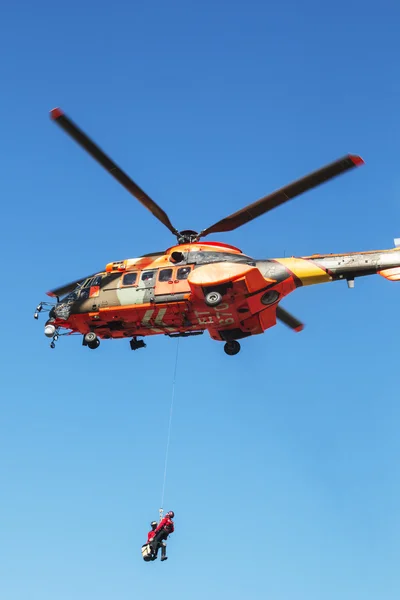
(129,279)
(165,275)
(148,277)
(183,273)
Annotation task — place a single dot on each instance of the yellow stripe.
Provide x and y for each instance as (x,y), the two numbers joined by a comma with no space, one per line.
(306,270)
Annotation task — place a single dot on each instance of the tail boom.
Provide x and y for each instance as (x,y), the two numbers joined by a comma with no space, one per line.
(310,270)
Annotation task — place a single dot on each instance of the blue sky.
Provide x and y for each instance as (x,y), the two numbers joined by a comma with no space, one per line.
(284,460)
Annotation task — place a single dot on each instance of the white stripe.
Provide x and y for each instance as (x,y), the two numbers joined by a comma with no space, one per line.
(160,316)
(147,316)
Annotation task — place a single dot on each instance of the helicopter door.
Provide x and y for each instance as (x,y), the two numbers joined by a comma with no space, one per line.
(145,288)
(171,283)
(181,284)
(127,289)
(165,284)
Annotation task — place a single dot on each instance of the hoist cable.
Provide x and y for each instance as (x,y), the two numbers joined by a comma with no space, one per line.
(169,426)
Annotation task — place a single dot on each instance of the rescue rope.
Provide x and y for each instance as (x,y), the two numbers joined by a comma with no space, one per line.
(169,430)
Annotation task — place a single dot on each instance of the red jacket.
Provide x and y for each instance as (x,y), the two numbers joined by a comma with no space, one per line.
(167,524)
(150,535)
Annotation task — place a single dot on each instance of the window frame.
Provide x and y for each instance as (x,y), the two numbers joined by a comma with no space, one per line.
(165,280)
(179,269)
(129,285)
(153,279)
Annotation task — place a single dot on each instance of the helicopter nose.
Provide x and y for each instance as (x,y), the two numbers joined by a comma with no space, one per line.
(49,331)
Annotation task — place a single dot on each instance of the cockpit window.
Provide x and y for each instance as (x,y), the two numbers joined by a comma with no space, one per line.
(92,281)
(183,273)
(129,279)
(72,296)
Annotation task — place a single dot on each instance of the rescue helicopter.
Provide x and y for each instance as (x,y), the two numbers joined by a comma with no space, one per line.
(196,286)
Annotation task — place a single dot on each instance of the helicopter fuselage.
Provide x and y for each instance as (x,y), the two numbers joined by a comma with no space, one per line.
(204,286)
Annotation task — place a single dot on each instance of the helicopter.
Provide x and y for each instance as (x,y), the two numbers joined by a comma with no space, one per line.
(196,286)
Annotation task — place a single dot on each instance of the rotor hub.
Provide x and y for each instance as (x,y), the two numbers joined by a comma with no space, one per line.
(187,236)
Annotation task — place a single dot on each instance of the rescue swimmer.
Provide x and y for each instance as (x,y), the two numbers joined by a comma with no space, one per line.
(157,536)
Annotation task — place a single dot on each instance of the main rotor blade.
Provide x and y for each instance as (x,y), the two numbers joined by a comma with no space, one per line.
(258,208)
(68,287)
(83,140)
(289,319)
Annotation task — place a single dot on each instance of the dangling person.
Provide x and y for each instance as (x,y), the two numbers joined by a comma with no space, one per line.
(147,551)
(151,533)
(161,533)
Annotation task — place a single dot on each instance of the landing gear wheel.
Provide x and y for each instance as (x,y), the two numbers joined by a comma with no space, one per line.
(213,298)
(232,348)
(90,338)
(95,344)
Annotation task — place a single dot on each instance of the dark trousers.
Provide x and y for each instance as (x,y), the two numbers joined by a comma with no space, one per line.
(159,541)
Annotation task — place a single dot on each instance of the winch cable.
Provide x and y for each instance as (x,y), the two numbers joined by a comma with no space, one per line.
(169,430)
